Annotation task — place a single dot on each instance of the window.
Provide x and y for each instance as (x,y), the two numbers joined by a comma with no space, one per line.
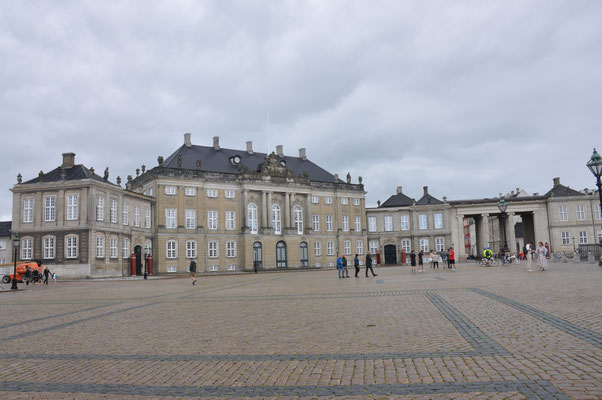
(71,247)
(100,208)
(600,236)
(347,247)
(2,245)
(315,223)
(566,238)
(212,193)
(148,244)
(230,220)
(406,244)
(330,248)
(190,249)
(229,194)
(190,191)
(298,217)
(212,219)
(598,212)
(303,256)
(563,213)
(232,267)
(317,248)
(172,268)
(329,223)
(170,190)
(147,218)
(190,219)
(582,237)
(358,224)
(281,256)
(137,216)
(113,211)
(257,257)
(438,220)
(49,209)
(113,247)
(580,212)
(344,201)
(405,222)
(150,191)
(172,249)
(422,221)
(328,200)
(424,244)
(276,219)
(100,246)
(345,223)
(356,202)
(26,249)
(230,249)
(28,210)
(373,246)
(213,268)
(48,247)
(170,218)
(315,199)
(372,224)
(359,247)
(213,249)
(439,244)
(388,223)
(125,248)
(72,207)
(252,214)
(125,217)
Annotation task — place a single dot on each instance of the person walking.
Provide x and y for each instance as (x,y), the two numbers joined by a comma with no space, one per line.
(345,267)
(192,270)
(356,264)
(369,265)
(542,261)
(436,258)
(54,277)
(46,275)
(27,275)
(413,260)
(451,259)
(421,261)
(443,255)
(340,267)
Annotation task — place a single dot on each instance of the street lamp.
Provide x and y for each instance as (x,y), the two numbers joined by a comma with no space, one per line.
(146,253)
(502,205)
(595,165)
(16,246)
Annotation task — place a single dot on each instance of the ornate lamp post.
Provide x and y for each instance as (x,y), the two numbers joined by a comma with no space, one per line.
(595,165)
(16,241)
(502,205)
(146,253)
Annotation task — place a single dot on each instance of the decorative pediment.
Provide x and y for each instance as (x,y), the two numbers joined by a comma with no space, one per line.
(274,166)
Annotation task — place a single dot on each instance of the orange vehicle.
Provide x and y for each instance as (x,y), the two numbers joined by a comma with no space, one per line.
(21,268)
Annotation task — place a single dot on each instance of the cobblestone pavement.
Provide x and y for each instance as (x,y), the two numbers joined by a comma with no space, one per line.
(477,333)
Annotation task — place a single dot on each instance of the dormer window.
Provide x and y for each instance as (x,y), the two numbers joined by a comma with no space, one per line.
(235,160)
(283,163)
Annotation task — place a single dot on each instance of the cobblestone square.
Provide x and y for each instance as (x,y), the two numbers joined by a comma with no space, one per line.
(482,333)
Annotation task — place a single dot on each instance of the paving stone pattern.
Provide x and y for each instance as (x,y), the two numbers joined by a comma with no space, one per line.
(471,334)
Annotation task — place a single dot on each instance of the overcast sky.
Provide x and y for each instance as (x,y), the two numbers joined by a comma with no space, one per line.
(471,98)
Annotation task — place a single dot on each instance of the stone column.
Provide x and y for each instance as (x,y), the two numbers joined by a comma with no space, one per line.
(287,210)
(540,227)
(484,237)
(308,224)
(291,213)
(245,204)
(511,237)
(457,236)
(269,211)
(264,214)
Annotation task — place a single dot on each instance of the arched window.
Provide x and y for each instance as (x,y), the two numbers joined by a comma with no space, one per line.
(252,211)
(298,213)
(276,220)
(281,254)
(257,256)
(303,254)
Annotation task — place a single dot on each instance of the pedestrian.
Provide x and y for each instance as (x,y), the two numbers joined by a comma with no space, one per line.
(547,246)
(369,265)
(192,270)
(542,261)
(54,277)
(356,264)
(27,275)
(443,255)
(340,267)
(451,259)
(413,260)
(421,261)
(35,276)
(345,267)
(46,275)
(436,258)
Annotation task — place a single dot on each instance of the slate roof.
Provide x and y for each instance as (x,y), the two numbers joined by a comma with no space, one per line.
(5,228)
(428,199)
(213,160)
(398,200)
(562,191)
(77,172)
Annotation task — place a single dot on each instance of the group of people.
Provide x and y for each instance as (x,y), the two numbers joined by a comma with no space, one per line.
(446,258)
(344,272)
(35,277)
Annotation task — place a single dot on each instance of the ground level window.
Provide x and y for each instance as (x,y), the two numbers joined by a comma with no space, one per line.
(172,268)
(566,238)
(424,244)
(213,268)
(231,267)
(406,245)
(439,244)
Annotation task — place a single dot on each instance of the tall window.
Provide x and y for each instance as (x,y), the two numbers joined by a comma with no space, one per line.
(190,219)
(388,223)
(137,216)
(113,247)
(317,248)
(100,208)
(276,220)
(100,246)
(147,218)
(406,244)
(422,221)
(298,217)
(113,211)
(303,254)
(356,202)
(347,247)
(213,249)
(281,257)
(345,223)
(28,209)
(372,224)
(190,249)
(329,223)
(49,209)
(344,201)
(230,249)
(359,247)
(315,223)
(563,213)
(438,220)
(358,224)
(49,247)
(566,238)
(582,237)
(373,244)
(71,247)
(315,199)
(439,244)
(190,191)
(580,212)
(330,249)
(170,218)
(252,214)
(72,207)
(328,200)
(125,248)
(212,219)
(172,249)
(405,222)
(424,244)
(170,190)
(26,249)
(125,216)
(230,220)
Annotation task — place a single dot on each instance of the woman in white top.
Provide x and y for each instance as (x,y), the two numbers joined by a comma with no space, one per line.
(542,261)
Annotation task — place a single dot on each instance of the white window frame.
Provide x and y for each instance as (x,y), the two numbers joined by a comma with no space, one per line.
(49,246)
(170,190)
(371,224)
(404,220)
(2,245)
(28,210)
(317,248)
(357,223)
(373,245)
(231,267)
(298,218)
(315,223)
(359,247)
(172,268)
(125,213)
(439,243)
(252,217)
(422,222)
(583,237)
(229,194)
(113,247)
(49,209)
(190,219)
(100,246)
(344,201)
(438,220)
(345,223)
(171,249)
(213,268)
(189,191)
(315,200)
(125,248)
(212,220)
(230,249)
(328,200)
(230,220)
(329,224)
(147,217)
(347,247)
(330,248)
(580,212)
(137,216)
(171,218)
(356,202)
(71,246)
(406,244)
(213,249)
(566,238)
(563,213)
(100,208)
(26,249)
(388,219)
(113,211)
(72,207)
(191,249)
(276,219)
(212,193)
(424,244)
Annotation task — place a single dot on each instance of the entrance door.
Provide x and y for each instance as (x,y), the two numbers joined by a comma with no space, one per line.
(257,257)
(390,254)
(138,253)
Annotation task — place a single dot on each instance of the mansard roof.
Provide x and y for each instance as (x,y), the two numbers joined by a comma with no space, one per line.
(562,191)
(5,228)
(428,199)
(398,200)
(75,173)
(220,161)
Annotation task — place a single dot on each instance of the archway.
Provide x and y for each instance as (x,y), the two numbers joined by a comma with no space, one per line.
(390,254)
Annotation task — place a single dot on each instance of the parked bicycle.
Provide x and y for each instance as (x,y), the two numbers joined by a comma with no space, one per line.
(510,260)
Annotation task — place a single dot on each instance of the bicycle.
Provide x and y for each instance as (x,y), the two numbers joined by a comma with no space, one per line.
(510,259)
(487,262)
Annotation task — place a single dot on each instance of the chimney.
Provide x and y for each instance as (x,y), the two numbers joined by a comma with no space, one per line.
(378,203)
(556,182)
(279,151)
(302,153)
(426,190)
(512,192)
(68,160)
(187,141)
(216,142)
(336,177)
(250,147)
(517,190)
(500,195)
(399,191)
